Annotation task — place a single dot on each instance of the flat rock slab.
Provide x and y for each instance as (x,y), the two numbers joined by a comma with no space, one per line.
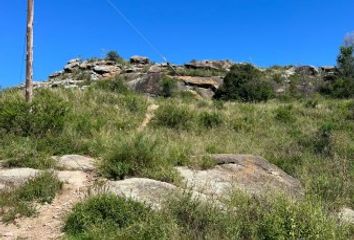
(143,190)
(248,173)
(75,163)
(16,176)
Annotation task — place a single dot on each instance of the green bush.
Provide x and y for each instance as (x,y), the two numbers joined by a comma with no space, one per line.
(174,116)
(114,56)
(340,87)
(25,152)
(45,115)
(18,201)
(110,217)
(244,82)
(210,119)
(168,86)
(285,114)
(115,85)
(137,156)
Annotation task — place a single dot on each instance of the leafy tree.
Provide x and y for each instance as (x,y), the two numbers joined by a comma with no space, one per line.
(244,82)
(345,62)
(114,56)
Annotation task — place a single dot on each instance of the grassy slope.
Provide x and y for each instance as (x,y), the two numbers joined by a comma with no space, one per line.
(312,139)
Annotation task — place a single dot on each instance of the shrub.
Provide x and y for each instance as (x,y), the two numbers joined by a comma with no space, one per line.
(210,119)
(244,83)
(137,156)
(341,87)
(45,115)
(42,189)
(168,86)
(110,217)
(115,85)
(322,141)
(174,116)
(25,152)
(114,56)
(345,62)
(285,114)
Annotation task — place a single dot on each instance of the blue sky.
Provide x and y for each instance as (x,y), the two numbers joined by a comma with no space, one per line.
(266,32)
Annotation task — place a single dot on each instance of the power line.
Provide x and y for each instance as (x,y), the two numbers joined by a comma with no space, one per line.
(130,23)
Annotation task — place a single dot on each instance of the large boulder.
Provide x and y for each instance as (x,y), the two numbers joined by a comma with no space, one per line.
(72,65)
(147,83)
(203,82)
(143,190)
(75,163)
(251,174)
(139,60)
(16,176)
(307,70)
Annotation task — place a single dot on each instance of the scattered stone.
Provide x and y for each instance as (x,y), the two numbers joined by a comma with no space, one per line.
(75,163)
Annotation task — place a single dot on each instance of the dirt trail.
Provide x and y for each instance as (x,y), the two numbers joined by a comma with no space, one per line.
(49,222)
(149,115)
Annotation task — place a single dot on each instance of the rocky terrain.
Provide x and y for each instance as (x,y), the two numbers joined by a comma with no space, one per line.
(201,78)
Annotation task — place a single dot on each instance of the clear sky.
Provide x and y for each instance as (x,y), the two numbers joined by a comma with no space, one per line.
(265,32)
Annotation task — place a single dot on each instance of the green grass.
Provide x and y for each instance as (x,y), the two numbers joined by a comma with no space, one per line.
(312,139)
(185,217)
(20,201)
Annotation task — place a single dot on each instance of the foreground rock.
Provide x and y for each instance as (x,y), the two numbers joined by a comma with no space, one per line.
(347,215)
(16,176)
(143,190)
(247,173)
(75,163)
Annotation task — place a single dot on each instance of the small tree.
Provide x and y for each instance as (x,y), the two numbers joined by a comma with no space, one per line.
(244,82)
(114,56)
(345,62)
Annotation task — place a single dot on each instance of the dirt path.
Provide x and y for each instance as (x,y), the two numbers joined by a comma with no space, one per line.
(49,222)
(149,115)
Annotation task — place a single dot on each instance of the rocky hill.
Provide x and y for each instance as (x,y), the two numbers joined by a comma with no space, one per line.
(201,78)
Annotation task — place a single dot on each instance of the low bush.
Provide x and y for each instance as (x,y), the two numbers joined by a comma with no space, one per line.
(210,119)
(187,217)
(244,83)
(115,57)
(168,87)
(45,115)
(137,156)
(110,217)
(115,85)
(174,116)
(19,201)
(285,114)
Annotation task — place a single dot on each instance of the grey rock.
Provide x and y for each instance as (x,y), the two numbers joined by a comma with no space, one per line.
(248,173)
(203,82)
(16,176)
(307,70)
(346,215)
(143,190)
(102,69)
(75,163)
(139,60)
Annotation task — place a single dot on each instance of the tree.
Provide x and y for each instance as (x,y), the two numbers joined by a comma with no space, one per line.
(345,62)
(114,56)
(244,82)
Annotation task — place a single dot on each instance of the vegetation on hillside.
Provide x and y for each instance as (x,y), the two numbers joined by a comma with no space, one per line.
(310,138)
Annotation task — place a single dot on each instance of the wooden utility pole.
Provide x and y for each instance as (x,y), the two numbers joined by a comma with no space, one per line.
(29,52)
